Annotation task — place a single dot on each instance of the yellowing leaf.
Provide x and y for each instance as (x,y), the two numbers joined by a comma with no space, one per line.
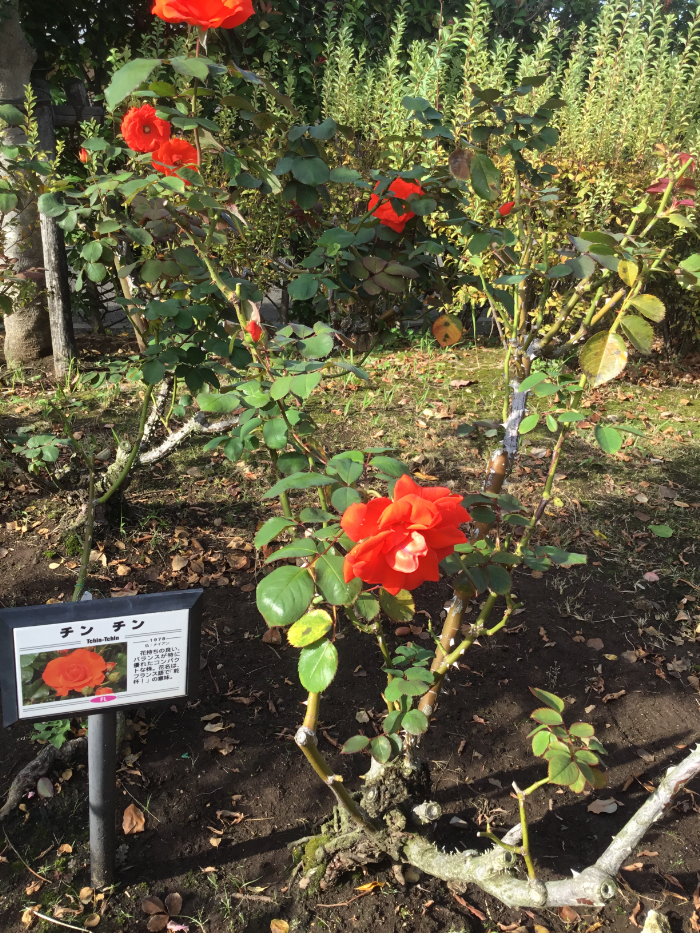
(447,330)
(279,926)
(603,357)
(627,271)
(371,885)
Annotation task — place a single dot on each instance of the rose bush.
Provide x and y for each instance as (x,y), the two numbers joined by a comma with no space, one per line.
(386,212)
(75,671)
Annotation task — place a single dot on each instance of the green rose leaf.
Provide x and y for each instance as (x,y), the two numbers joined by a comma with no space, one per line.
(331,582)
(318,664)
(283,596)
(367,607)
(399,608)
(303,287)
(128,78)
(638,332)
(271,529)
(415,722)
(562,770)
(355,744)
(609,439)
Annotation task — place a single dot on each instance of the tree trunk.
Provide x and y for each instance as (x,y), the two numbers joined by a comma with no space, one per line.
(54,247)
(27,334)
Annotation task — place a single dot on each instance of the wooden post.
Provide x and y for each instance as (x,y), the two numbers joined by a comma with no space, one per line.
(54,247)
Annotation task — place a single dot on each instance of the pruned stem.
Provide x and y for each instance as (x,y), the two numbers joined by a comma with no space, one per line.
(87,536)
(307,741)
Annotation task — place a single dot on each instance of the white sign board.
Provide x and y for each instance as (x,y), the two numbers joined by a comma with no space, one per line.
(92,656)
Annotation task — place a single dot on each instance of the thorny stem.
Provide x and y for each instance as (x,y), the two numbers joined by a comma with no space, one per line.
(195,86)
(307,741)
(449,634)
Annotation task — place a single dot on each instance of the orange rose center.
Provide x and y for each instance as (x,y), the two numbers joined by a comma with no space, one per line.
(404,556)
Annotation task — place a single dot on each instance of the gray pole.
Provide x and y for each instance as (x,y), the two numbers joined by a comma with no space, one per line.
(102,776)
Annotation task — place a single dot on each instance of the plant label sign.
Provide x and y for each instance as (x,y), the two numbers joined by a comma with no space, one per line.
(72,659)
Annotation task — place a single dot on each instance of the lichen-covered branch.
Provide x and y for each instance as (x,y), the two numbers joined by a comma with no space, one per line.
(37,768)
(594,886)
(197,424)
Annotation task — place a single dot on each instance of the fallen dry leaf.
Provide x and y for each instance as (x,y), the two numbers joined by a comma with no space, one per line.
(85,895)
(272,636)
(123,570)
(33,887)
(635,913)
(173,904)
(645,853)
(595,643)
(540,929)
(651,577)
(215,841)
(179,562)
(91,921)
(133,820)
(370,886)
(472,910)
(602,806)
(614,696)
(635,866)
(279,926)
(644,754)
(630,656)
(152,905)
(65,848)
(569,915)
(158,922)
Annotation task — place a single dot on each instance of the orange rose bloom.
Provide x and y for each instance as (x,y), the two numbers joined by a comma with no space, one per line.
(75,671)
(143,130)
(173,155)
(208,14)
(402,542)
(101,691)
(386,213)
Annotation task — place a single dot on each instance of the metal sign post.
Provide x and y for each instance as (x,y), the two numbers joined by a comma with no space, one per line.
(93,658)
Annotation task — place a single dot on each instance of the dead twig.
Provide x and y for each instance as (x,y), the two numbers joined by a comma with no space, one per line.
(40,877)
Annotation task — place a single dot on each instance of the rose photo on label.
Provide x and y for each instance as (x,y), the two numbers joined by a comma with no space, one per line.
(66,674)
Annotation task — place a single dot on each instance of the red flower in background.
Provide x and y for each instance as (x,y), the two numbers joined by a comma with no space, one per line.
(84,155)
(506,208)
(402,542)
(173,155)
(207,14)
(143,130)
(255,330)
(386,213)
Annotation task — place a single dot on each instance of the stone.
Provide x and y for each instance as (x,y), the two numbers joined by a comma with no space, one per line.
(656,923)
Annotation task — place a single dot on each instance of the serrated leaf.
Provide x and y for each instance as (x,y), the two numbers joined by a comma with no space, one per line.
(628,271)
(638,332)
(547,716)
(552,701)
(331,582)
(309,628)
(380,749)
(540,741)
(650,306)
(399,608)
(603,358)
(583,730)
(529,423)
(270,530)
(367,607)
(562,770)
(355,744)
(128,78)
(318,665)
(283,596)
(415,722)
(608,438)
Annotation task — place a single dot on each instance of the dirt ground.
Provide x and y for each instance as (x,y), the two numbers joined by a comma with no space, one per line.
(219,825)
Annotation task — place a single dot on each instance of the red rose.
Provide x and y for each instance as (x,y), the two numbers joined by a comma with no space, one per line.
(208,14)
(402,542)
(173,155)
(255,330)
(506,208)
(84,155)
(143,130)
(75,671)
(386,212)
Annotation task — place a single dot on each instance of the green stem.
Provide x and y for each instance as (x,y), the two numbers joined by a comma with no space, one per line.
(525,850)
(166,422)
(307,742)
(87,540)
(134,451)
